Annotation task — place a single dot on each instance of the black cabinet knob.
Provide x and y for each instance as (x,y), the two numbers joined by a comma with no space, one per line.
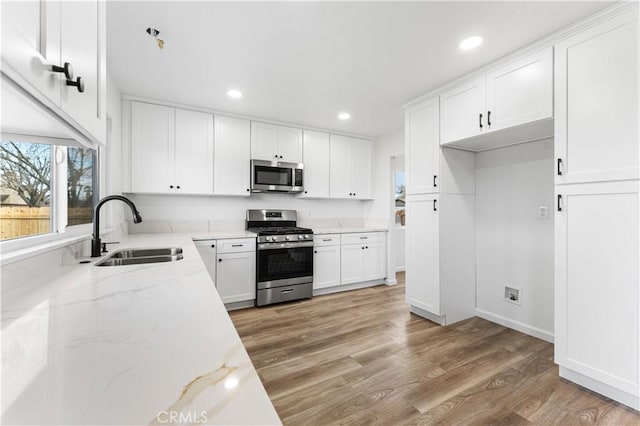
(171,186)
(247,189)
(213,245)
(315,251)
(281,156)
(219,260)
(78,83)
(178,186)
(305,192)
(275,156)
(363,248)
(67,69)
(367,247)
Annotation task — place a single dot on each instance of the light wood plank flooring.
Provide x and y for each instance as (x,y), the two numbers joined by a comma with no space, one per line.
(361,358)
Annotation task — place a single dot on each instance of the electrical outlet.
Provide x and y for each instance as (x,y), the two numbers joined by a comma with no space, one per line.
(512,295)
(543,212)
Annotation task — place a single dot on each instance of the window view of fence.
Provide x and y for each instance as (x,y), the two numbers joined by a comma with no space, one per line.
(25,189)
(27,196)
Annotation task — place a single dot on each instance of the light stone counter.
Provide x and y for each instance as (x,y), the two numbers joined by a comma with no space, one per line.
(348,230)
(143,344)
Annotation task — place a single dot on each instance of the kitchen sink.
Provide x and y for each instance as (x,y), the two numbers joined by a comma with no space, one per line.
(142,256)
(129,253)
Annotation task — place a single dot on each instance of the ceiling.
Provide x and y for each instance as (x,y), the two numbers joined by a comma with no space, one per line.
(305,62)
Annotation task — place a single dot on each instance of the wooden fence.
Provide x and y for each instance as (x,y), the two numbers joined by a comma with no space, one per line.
(21,221)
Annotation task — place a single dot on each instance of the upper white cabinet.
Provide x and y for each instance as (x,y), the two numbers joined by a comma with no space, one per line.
(430,168)
(275,143)
(232,156)
(350,168)
(596,125)
(511,104)
(462,111)
(171,150)
(316,154)
(520,92)
(38,35)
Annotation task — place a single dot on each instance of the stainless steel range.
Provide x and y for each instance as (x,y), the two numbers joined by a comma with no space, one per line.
(284,263)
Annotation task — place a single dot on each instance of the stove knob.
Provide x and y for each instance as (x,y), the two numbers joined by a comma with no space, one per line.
(301,237)
(269,238)
(307,237)
(288,238)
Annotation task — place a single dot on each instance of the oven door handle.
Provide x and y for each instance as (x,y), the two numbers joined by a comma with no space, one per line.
(275,246)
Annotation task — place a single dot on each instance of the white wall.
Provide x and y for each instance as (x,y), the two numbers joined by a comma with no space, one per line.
(513,246)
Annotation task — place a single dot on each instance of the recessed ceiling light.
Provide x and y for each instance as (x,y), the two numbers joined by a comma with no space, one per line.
(235,94)
(470,43)
(344,116)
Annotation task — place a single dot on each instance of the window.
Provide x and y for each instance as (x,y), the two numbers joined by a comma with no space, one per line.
(33,177)
(399,197)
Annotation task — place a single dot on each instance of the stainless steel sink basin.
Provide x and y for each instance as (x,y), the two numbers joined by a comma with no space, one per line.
(142,256)
(128,253)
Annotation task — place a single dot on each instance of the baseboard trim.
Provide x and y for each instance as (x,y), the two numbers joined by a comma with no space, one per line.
(516,325)
(438,319)
(601,388)
(347,287)
(391,281)
(400,268)
(240,305)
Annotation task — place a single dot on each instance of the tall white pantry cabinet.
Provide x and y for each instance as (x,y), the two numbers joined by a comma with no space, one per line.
(594,120)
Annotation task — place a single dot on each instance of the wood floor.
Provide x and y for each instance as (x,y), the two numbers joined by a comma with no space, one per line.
(361,358)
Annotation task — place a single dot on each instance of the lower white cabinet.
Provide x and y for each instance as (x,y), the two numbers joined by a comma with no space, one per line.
(326,266)
(440,256)
(362,257)
(236,276)
(597,252)
(208,251)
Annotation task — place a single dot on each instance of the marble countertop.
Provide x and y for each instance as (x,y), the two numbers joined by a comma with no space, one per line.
(349,230)
(143,344)
(220,235)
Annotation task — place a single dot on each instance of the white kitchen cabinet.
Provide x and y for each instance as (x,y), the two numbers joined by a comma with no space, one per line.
(236,276)
(363,257)
(171,150)
(597,252)
(38,35)
(208,253)
(275,143)
(326,266)
(462,111)
(510,104)
(316,158)
(440,256)
(520,92)
(232,156)
(429,167)
(350,170)
(596,92)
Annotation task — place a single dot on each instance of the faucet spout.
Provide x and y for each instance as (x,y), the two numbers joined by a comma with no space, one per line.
(95,242)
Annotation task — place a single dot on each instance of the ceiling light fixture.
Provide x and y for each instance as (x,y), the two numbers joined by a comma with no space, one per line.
(235,94)
(470,43)
(344,116)
(154,33)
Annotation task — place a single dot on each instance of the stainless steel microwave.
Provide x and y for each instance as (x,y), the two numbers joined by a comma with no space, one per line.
(276,176)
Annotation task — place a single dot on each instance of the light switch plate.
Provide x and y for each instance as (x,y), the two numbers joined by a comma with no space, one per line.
(543,212)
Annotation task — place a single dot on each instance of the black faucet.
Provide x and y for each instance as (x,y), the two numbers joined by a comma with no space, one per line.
(95,242)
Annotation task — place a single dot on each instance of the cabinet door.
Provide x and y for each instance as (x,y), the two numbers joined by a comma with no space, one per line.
(340,168)
(207,251)
(316,164)
(462,111)
(193,152)
(596,281)
(31,44)
(375,261)
(290,144)
(521,92)
(326,266)
(361,168)
(422,147)
(152,157)
(236,276)
(596,124)
(83,37)
(264,141)
(231,156)
(422,260)
(352,263)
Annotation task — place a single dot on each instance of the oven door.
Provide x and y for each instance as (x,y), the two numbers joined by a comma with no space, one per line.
(281,264)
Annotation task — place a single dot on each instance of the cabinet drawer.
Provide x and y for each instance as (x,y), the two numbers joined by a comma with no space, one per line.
(360,238)
(326,240)
(236,245)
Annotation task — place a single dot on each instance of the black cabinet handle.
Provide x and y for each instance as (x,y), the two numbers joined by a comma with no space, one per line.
(559,170)
(178,186)
(275,156)
(67,69)
(213,246)
(489,118)
(435,209)
(219,260)
(559,202)
(367,247)
(480,120)
(171,186)
(281,156)
(247,189)
(362,247)
(435,185)
(305,192)
(79,83)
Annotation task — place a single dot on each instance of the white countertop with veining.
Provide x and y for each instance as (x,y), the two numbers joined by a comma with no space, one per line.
(349,230)
(143,344)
